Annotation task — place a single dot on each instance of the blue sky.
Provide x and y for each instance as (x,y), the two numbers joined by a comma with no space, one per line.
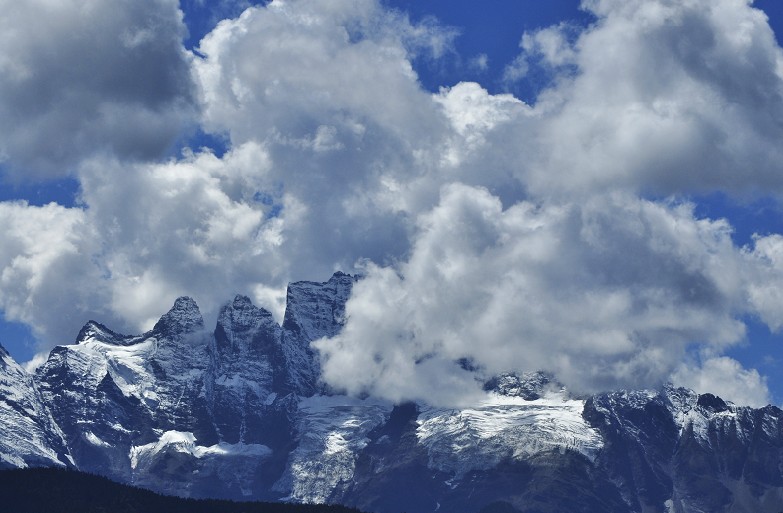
(342,148)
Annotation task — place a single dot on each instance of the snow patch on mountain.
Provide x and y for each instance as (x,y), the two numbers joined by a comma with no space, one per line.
(28,434)
(332,430)
(698,414)
(126,364)
(504,427)
(95,440)
(185,443)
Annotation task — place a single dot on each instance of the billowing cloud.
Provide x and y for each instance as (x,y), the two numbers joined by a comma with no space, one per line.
(726,378)
(494,235)
(197,226)
(46,268)
(307,188)
(329,90)
(765,292)
(82,78)
(150,232)
(624,285)
(666,96)
(604,294)
(288,70)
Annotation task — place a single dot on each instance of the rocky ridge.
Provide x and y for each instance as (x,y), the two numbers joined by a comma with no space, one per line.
(240,413)
(28,434)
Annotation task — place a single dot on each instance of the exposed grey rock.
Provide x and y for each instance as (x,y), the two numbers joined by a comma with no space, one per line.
(239,412)
(313,311)
(28,435)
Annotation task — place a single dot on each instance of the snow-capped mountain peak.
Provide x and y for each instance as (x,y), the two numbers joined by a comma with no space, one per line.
(528,385)
(241,413)
(183,318)
(240,317)
(96,331)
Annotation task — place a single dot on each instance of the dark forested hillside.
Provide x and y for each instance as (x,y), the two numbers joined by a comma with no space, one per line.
(50,490)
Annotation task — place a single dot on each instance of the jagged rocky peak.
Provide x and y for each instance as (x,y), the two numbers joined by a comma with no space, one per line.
(28,435)
(678,398)
(183,318)
(96,330)
(712,403)
(528,385)
(7,363)
(241,315)
(242,325)
(315,310)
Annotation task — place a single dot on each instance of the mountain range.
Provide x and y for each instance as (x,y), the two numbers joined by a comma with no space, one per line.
(240,412)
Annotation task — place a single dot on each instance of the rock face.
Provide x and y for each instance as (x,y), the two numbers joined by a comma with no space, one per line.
(175,409)
(313,310)
(690,452)
(240,413)
(28,434)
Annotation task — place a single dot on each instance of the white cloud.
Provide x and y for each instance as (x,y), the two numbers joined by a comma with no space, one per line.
(329,90)
(766,263)
(605,294)
(504,235)
(663,100)
(319,145)
(45,269)
(479,62)
(726,378)
(149,233)
(294,66)
(516,70)
(477,119)
(552,44)
(81,78)
(549,48)
(197,226)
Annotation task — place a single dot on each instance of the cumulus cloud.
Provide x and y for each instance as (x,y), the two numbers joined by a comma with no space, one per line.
(516,70)
(625,285)
(552,44)
(765,292)
(307,188)
(79,78)
(198,226)
(45,268)
(549,48)
(289,68)
(604,294)
(493,235)
(726,378)
(662,101)
(148,233)
(329,89)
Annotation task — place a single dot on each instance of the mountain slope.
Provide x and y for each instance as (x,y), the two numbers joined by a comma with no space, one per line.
(313,310)
(240,413)
(174,409)
(30,437)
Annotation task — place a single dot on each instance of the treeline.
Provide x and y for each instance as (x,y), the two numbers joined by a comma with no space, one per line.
(51,490)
